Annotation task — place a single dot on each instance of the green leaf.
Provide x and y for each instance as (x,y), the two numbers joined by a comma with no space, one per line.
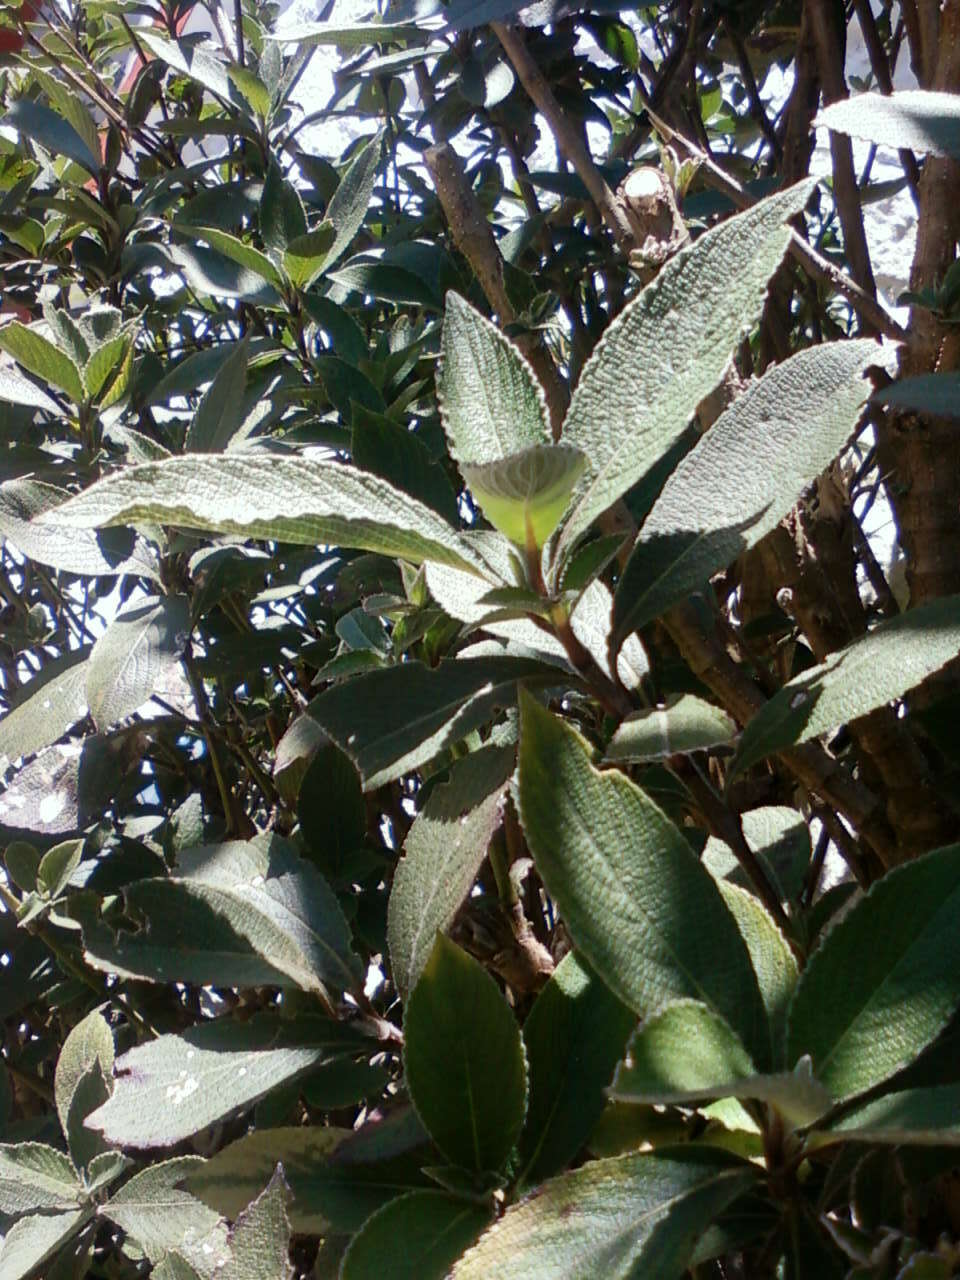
(937,394)
(773,962)
(685,723)
(287,499)
(84,552)
(195,62)
(34,1176)
(34,1239)
(491,403)
(15,389)
(667,350)
(464,1060)
(40,357)
(391,722)
(743,476)
(914,1117)
(244,255)
(385,281)
(83,1070)
(153,1210)
(686,1053)
(220,413)
(170,1088)
(242,913)
(628,1218)
(260,1239)
(216,275)
(57,866)
(400,457)
(174,1266)
(781,840)
(418,1236)
(441,857)
(43,716)
(525,495)
(574,1036)
(252,89)
(915,118)
(306,256)
(639,905)
(136,657)
(359,36)
(335,1184)
(36,123)
(883,665)
(885,980)
(349,203)
(282,215)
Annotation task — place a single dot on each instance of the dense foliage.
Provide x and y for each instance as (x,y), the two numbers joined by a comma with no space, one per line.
(476,800)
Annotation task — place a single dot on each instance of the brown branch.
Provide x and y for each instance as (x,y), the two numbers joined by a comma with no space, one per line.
(474,238)
(872,311)
(567,138)
(828,40)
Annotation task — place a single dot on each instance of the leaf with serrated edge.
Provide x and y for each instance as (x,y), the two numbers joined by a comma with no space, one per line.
(160,1216)
(59,701)
(260,1239)
(441,857)
(35,1238)
(463,1059)
(743,476)
(39,356)
(350,201)
(667,350)
(685,723)
(885,980)
(635,898)
(83,551)
(621,1219)
(919,119)
(914,1117)
(170,1088)
(686,1053)
(34,1176)
(246,912)
(491,403)
(883,665)
(287,499)
(135,657)
(89,1045)
(392,721)
(418,1236)
(574,1036)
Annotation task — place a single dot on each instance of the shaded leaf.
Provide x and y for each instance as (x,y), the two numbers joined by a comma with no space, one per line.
(34,1176)
(441,857)
(48,711)
(914,1117)
(525,495)
(392,721)
(260,1239)
(418,1236)
(242,913)
(574,1036)
(34,1239)
(350,201)
(623,1219)
(935,393)
(638,904)
(220,412)
(136,657)
(36,123)
(883,665)
(463,1059)
(885,980)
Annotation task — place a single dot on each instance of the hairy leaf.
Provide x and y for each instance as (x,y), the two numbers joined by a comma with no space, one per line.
(639,905)
(920,119)
(464,1060)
